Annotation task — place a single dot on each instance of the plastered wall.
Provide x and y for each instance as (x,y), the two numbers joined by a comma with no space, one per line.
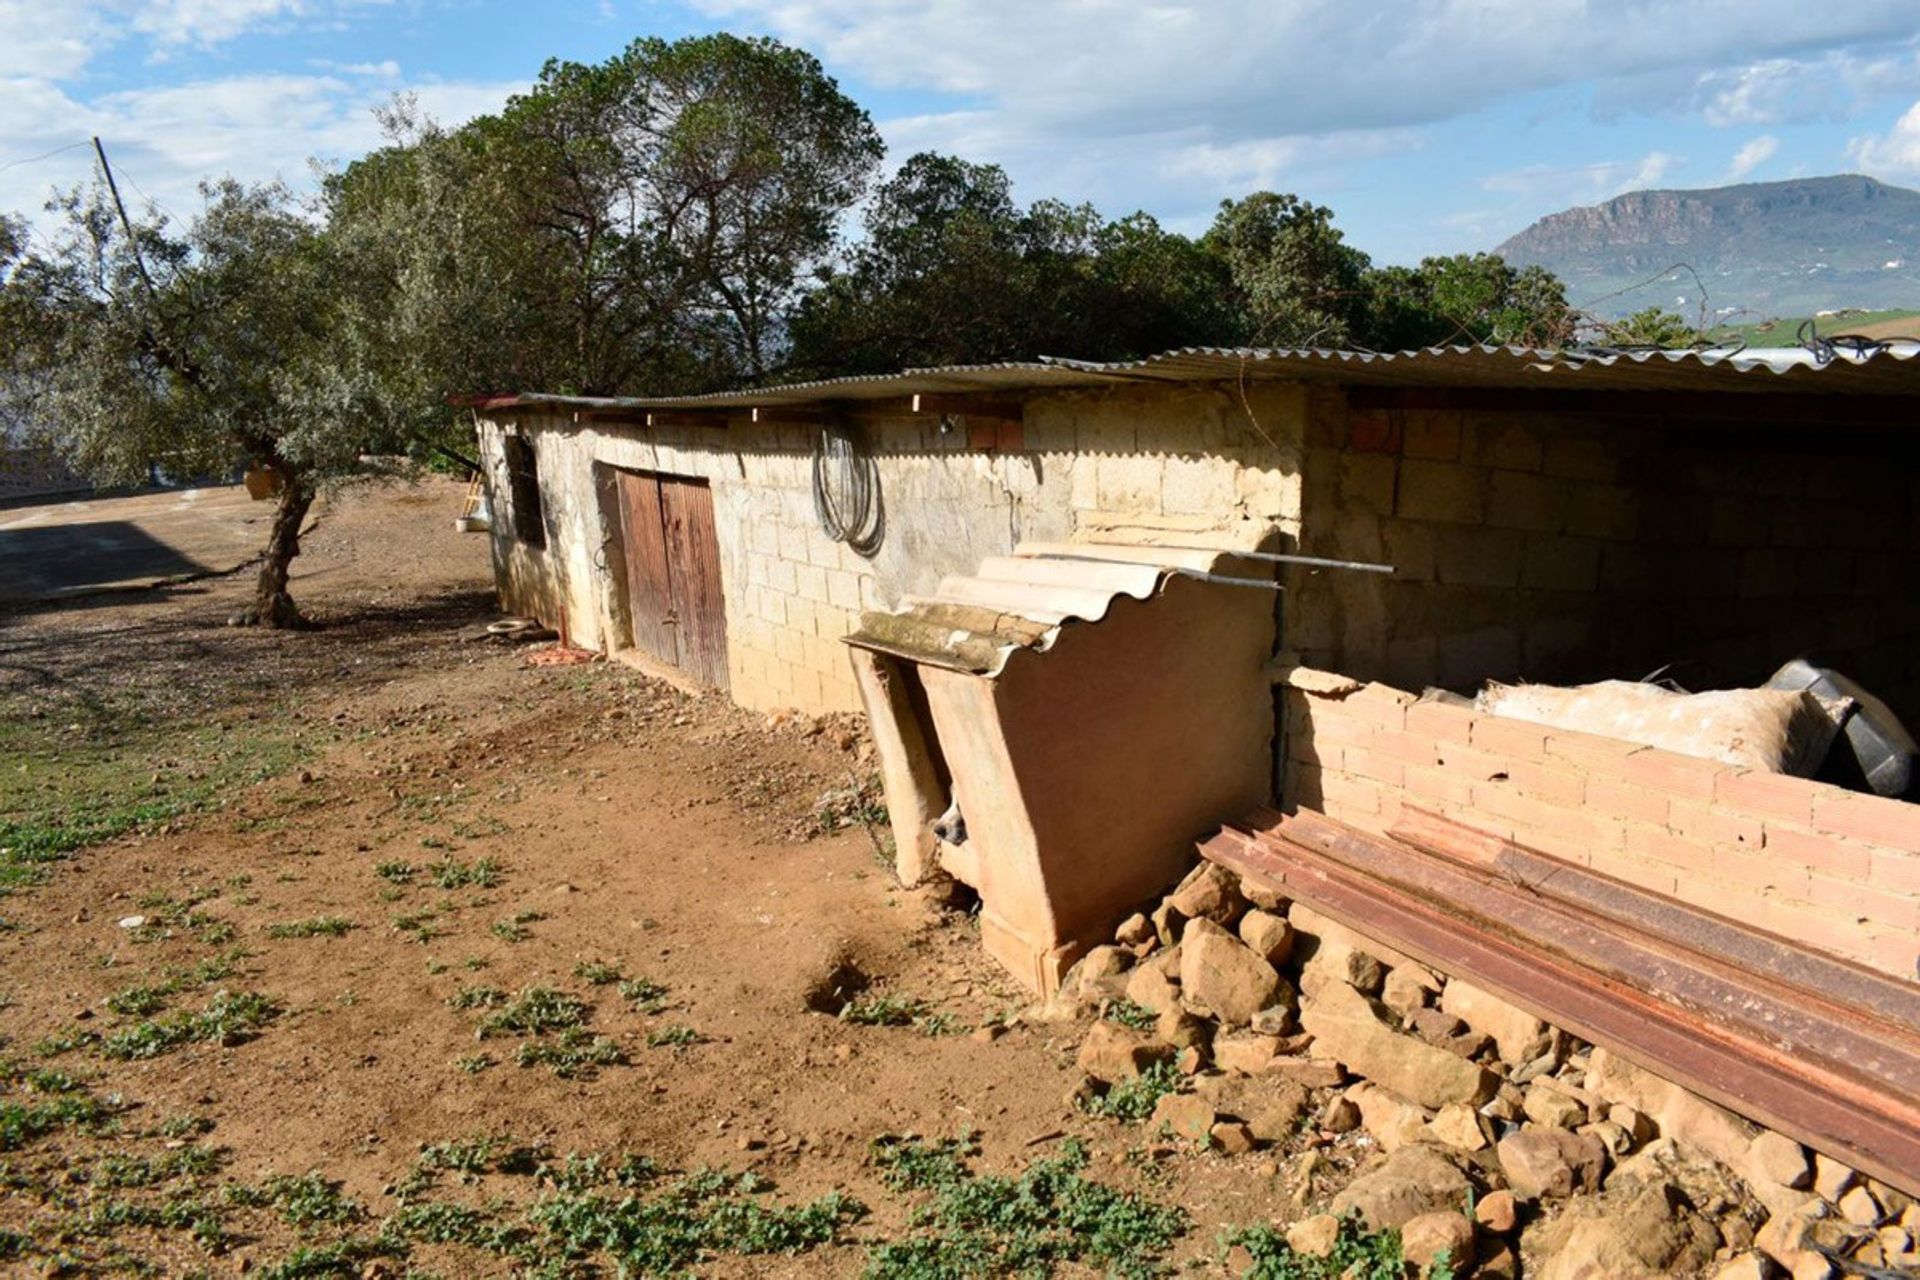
(1835,869)
(1167,464)
(1568,548)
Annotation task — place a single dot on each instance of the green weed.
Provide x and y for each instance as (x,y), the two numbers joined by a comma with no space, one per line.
(672,1038)
(228,1019)
(883,1011)
(647,995)
(317,927)
(596,972)
(985,1225)
(1133,1100)
(1358,1254)
(451,873)
(1129,1014)
(573,1054)
(534,1011)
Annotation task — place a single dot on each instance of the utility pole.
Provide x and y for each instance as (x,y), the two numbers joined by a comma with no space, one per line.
(126,224)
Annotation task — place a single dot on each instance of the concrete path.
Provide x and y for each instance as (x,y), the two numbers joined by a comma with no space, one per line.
(64,548)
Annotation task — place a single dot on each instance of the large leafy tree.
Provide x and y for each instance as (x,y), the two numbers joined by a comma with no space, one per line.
(1296,281)
(1467,298)
(641,224)
(140,347)
(952,270)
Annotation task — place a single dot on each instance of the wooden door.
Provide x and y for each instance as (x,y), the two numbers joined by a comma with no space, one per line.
(673,573)
(693,554)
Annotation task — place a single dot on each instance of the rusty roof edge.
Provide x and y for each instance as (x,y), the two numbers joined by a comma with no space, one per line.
(1887,368)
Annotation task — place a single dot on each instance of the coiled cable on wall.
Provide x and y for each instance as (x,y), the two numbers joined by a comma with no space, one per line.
(846,489)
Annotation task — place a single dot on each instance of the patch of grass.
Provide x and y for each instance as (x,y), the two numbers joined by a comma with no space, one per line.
(228,1019)
(574,1054)
(23,1122)
(395,871)
(596,972)
(1358,1254)
(138,1002)
(468,1157)
(439,1224)
(419,924)
(535,1011)
(189,1162)
(1133,1100)
(883,1011)
(935,1025)
(451,873)
(697,1214)
(1129,1014)
(305,1200)
(914,1164)
(340,1260)
(647,995)
(675,1037)
(315,927)
(474,1064)
(986,1225)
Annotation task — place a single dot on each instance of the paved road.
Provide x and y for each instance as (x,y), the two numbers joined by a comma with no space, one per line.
(62,548)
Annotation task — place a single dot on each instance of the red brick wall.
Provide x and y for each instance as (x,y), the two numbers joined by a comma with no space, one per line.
(1833,868)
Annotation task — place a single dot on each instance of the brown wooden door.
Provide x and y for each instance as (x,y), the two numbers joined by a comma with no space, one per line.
(673,573)
(693,553)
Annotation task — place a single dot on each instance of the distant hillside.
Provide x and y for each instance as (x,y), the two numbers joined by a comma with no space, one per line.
(1776,248)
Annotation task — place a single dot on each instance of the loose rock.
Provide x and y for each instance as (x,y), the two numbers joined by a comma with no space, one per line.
(1351,1029)
(1113,1053)
(1519,1036)
(1425,1239)
(1186,1115)
(1315,1236)
(1210,892)
(1497,1211)
(1270,936)
(1410,1182)
(1221,973)
(1551,1162)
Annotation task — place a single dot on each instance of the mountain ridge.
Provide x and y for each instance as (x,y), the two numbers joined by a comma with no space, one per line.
(1765,248)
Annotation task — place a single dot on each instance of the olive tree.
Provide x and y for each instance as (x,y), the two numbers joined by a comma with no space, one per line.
(144,348)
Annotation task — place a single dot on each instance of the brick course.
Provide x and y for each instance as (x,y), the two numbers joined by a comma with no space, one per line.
(1833,868)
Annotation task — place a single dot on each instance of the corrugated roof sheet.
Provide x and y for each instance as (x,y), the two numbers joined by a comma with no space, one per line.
(976,622)
(1892,369)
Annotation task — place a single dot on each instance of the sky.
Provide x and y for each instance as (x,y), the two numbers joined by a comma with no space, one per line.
(1429,126)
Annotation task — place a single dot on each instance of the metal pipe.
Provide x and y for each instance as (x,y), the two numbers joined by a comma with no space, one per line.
(1222,580)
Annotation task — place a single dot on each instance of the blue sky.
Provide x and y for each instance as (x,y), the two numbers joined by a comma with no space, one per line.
(1429,125)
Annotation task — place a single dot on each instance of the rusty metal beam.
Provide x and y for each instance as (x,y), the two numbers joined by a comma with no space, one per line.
(1589,981)
(1846,987)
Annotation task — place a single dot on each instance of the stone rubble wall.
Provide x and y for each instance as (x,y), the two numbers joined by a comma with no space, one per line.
(1428,1106)
(1181,464)
(1832,868)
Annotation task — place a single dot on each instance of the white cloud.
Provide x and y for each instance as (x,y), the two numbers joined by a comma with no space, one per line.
(1551,185)
(1751,156)
(164,141)
(1894,155)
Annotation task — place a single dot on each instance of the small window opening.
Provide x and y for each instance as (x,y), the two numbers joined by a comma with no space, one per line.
(523,478)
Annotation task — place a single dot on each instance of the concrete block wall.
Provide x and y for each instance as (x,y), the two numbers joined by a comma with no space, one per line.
(1177,464)
(1833,868)
(1570,547)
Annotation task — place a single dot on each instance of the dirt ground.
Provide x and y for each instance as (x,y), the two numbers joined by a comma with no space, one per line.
(373,824)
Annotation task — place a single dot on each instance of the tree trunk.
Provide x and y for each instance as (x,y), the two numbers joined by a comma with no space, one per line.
(272,605)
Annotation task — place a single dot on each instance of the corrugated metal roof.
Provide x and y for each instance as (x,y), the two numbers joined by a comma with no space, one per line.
(1892,369)
(976,622)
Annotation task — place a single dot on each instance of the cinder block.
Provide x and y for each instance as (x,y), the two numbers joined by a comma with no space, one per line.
(1665,846)
(1409,547)
(1201,485)
(1434,436)
(1128,482)
(1442,491)
(1775,797)
(1551,783)
(1590,751)
(1582,457)
(1372,766)
(1502,442)
(1367,482)
(1827,930)
(1476,556)
(1758,874)
(1525,500)
(1346,797)
(843,589)
(1432,787)
(1602,511)
(1560,564)
(1635,868)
